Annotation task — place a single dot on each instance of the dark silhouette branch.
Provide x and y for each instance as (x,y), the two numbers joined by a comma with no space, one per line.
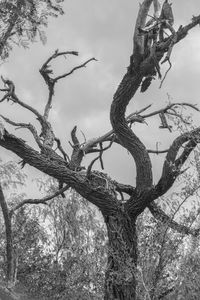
(170,107)
(172,165)
(57,167)
(74,69)
(138,40)
(45,71)
(157,151)
(13,97)
(162,217)
(38,201)
(29,126)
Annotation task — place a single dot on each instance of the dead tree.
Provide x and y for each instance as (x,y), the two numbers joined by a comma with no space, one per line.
(120,212)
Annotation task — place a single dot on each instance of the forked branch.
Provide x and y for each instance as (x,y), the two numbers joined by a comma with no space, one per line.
(46,73)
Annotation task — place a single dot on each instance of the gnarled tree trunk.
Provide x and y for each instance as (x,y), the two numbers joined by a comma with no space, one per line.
(120,279)
(97,187)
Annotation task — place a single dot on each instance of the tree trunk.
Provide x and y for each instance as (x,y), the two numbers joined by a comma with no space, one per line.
(9,240)
(120,279)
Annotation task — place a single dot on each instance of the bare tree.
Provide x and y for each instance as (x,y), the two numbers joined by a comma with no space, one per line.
(151,48)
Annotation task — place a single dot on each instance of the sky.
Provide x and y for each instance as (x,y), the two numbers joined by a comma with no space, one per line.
(104,30)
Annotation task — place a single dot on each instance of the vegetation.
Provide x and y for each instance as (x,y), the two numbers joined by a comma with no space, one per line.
(59,251)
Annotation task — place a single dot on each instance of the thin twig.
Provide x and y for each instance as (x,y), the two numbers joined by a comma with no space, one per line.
(170,66)
(74,69)
(89,169)
(28,126)
(59,146)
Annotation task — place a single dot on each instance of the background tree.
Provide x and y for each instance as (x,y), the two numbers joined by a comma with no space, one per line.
(73,257)
(11,178)
(119,204)
(22,21)
(55,248)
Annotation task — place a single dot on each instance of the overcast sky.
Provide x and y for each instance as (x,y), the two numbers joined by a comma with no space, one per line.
(101,29)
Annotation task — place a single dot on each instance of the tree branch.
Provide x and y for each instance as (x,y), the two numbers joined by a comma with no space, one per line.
(45,71)
(169,107)
(57,167)
(38,201)
(12,96)
(172,165)
(138,40)
(74,69)
(160,215)
(29,127)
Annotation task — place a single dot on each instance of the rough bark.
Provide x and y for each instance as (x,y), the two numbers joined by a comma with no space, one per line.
(98,188)
(128,139)
(9,239)
(120,280)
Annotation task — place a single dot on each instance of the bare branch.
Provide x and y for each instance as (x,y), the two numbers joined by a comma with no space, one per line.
(157,151)
(74,69)
(74,137)
(170,106)
(95,150)
(57,54)
(125,188)
(89,169)
(110,136)
(12,96)
(170,66)
(29,127)
(47,131)
(138,40)
(161,216)
(77,153)
(172,165)
(175,114)
(59,146)
(39,201)
(45,71)
(164,124)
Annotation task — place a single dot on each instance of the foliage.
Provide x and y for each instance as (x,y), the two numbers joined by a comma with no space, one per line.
(55,245)
(70,262)
(59,248)
(22,21)
(65,258)
(168,266)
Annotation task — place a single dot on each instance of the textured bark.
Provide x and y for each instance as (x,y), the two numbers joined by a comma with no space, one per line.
(128,139)
(94,190)
(120,280)
(160,215)
(9,239)
(138,40)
